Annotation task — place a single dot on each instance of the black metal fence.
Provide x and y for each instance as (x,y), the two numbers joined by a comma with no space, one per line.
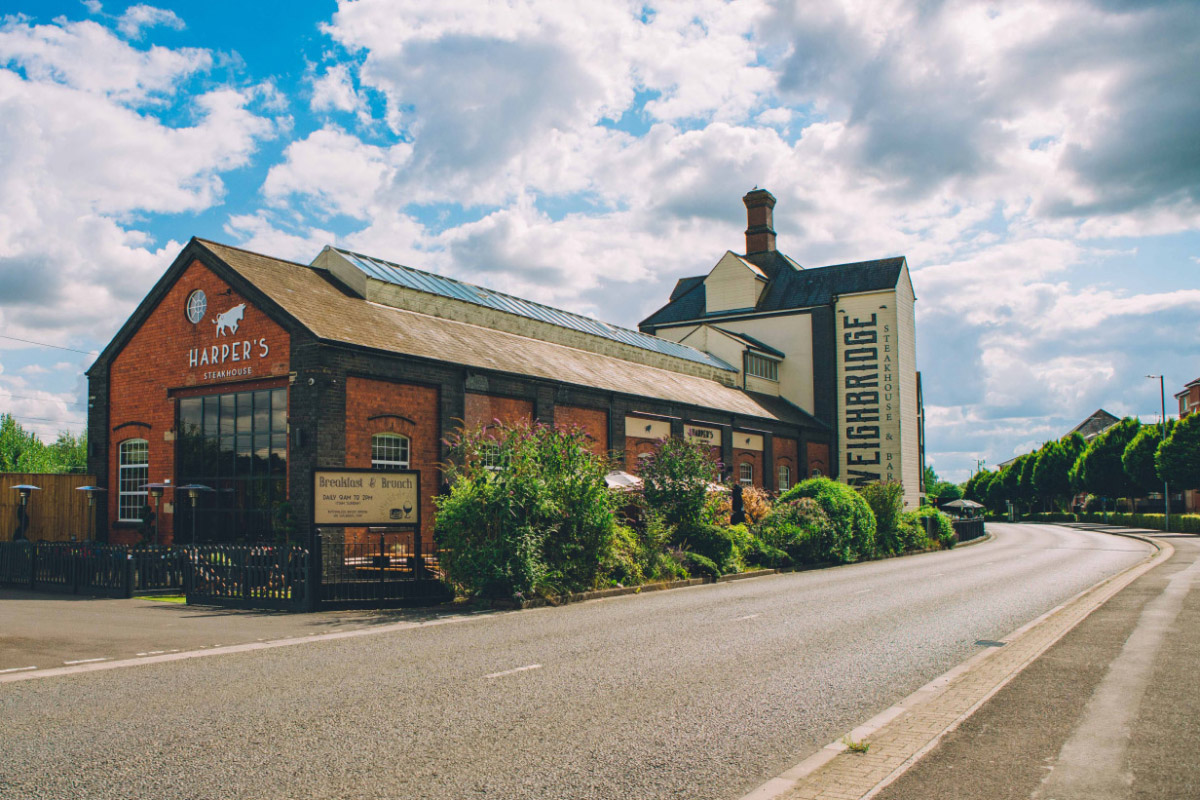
(384,569)
(381,573)
(249,576)
(91,568)
(967,529)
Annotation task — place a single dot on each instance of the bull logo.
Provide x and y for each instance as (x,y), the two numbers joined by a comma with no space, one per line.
(230,319)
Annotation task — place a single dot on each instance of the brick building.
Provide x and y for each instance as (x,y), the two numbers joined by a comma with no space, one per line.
(247,374)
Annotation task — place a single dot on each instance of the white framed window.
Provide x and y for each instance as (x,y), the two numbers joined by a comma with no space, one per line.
(491,456)
(133,473)
(762,367)
(785,477)
(389,451)
(746,474)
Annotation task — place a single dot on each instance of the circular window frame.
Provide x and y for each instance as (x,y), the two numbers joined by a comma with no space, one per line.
(199,298)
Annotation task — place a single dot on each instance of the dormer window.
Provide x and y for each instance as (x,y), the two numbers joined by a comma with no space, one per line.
(762,367)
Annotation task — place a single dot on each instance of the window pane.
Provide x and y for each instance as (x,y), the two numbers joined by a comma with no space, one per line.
(228,415)
(279,454)
(245,412)
(262,412)
(262,454)
(279,411)
(191,415)
(211,412)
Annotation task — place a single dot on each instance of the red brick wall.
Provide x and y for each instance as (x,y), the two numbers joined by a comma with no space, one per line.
(482,410)
(155,361)
(785,456)
(754,457)
(818,458)
(634,447)
(418,405)
(593,422)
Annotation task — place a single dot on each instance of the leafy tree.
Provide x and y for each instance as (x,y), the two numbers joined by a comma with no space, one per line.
(1099,470)
(1178,458)
(938,491)
(23,451)
(1052,472)
(996,495)
(976,488)
(1139,456)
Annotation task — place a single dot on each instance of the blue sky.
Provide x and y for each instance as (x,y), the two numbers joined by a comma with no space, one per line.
(1037,162)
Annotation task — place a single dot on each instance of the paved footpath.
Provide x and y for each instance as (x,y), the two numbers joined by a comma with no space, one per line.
(1096,700)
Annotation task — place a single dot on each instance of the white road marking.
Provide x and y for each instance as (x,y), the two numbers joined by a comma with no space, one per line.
(16,669)
(748,616)
(513,671)
(85,661)
(864,591)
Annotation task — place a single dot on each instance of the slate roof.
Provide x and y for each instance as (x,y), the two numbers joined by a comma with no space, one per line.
(315,301)
(789,287)
(1097,423)
(754,344)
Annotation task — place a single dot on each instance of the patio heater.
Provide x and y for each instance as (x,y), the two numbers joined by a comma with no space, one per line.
(91,500)
(194,490)
(155,490)
(26,489)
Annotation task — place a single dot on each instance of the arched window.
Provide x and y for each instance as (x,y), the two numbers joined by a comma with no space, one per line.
(133,473)
(746,474)
(389,451)
(785,477)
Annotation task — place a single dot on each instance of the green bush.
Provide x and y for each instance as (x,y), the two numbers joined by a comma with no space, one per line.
(794,527)
(542,522)
(886,499)
(851,537)
(714,542)
(1180,523)
(945,535)
(675,478)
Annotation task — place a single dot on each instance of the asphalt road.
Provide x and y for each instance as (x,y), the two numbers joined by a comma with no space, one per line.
(697,693)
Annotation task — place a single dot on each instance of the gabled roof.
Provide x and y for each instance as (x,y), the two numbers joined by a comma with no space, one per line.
(751,342)
(319,304)
(1097,423)
(789,287)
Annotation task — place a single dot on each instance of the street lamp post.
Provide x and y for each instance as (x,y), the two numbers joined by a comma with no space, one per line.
(91,501)
(1162,398)
(26,489)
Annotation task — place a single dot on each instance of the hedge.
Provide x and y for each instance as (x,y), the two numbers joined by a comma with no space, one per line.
(1180,523)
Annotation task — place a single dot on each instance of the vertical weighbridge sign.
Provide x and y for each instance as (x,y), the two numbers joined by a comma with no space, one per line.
(362,497)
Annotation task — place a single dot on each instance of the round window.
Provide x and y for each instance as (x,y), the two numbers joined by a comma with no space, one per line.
(197,304)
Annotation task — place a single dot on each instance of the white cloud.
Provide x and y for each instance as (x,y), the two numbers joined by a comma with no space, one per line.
(81,166)
(141,16)
(69,54)
(334,91)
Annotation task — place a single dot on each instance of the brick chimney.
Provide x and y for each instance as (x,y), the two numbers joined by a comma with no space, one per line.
(760,231)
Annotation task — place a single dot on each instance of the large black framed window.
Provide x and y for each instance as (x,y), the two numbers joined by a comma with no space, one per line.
(235,443)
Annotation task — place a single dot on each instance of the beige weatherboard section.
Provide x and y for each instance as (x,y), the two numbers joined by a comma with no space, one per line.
(702,435)
(747,441)
(642,428)
(871,409)
(366,497)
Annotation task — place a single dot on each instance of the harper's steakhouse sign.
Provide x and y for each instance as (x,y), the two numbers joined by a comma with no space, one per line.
(870,408)
(230,357)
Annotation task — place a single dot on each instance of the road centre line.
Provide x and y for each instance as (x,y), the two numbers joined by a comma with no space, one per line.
(863,591)
(526,668)
(16,669)
(748,616)
(85,661)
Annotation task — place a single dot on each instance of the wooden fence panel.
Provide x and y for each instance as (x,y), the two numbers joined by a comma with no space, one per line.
(56,513)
